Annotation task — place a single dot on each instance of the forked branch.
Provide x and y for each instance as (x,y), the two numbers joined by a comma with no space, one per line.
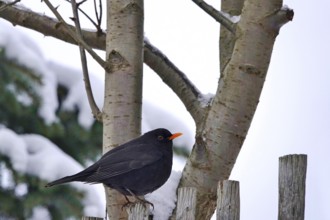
(95,110)
(76,37)
(98,15)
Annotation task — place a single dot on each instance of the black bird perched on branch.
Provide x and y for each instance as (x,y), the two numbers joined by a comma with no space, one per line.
(135,168)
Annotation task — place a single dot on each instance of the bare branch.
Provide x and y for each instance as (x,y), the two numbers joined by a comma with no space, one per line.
(76,37)
(49,26)
(217,15)
(8,4)
(98,16)
(280,18)
(95,110)
(184,89)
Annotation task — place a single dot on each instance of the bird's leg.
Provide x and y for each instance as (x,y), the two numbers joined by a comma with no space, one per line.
(143,201)
(127,199)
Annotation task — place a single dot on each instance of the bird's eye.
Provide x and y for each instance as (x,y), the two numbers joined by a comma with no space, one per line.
(160,137)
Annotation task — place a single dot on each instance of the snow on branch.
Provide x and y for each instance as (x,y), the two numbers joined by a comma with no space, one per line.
(282,16)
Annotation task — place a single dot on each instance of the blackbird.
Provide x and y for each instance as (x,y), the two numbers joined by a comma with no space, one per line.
(135,168)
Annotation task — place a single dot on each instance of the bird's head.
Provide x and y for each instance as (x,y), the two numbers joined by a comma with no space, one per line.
(163,135)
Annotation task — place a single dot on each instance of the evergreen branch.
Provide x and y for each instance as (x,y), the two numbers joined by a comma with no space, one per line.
(77,38)
(217,15)
(95,110)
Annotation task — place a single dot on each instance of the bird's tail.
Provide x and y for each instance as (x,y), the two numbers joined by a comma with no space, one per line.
(77,177)
(81,176)
(62,180)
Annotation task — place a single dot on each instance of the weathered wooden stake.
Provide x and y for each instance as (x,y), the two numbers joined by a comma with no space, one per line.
(186,207)
(228,201)
(292,178)
(138,211)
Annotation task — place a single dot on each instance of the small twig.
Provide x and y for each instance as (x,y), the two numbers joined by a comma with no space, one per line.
(80,3)
(101,13)
(95,110)
(217,15)
(95,10)
(8,4)
(97,25)
(76,37)
(98,16)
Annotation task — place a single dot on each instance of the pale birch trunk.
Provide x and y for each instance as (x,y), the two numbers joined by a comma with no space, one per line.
(123,83)
(221,136)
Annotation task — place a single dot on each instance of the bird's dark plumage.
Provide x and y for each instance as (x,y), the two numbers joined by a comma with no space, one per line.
(135,168)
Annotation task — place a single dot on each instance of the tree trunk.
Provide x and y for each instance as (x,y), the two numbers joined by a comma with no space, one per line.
(123,83)
(220,138)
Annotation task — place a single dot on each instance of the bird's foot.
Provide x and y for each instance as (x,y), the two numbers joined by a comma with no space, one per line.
(127,205)
(130,204)
(144,202)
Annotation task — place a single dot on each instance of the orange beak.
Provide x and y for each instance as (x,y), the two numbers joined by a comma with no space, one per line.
(175,136)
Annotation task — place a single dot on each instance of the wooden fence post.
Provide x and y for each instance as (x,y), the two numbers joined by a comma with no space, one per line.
(186,203)
(138,211)
(292,178)
(228,201)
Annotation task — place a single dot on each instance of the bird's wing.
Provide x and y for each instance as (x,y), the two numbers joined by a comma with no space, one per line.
(123,161)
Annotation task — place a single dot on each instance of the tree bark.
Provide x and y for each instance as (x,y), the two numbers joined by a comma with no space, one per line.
(123,83)
(227,38)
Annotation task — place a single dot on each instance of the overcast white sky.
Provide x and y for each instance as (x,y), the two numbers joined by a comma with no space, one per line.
(293,115)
